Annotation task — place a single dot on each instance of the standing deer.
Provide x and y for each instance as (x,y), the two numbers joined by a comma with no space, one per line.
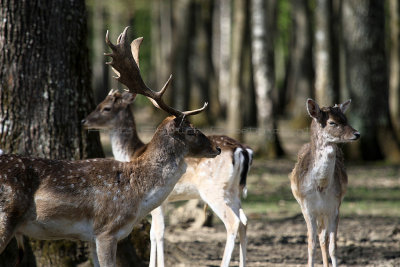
(97,200)
(217,182)
(319,178)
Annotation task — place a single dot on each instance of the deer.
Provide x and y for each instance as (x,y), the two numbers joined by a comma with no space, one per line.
(98,200)
(219,182)
(319,179)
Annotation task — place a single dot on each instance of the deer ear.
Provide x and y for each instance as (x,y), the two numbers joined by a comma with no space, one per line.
(313,109)
(128,98)
(345,106)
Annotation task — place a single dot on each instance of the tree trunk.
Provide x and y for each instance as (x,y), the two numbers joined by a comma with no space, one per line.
(100,70)
(301,73)
(45,93)
(394,80)
(161,32)
(203,85)
(263,21)
(367,79)
(234,105)
(183,30)
(224,54)
(325,92)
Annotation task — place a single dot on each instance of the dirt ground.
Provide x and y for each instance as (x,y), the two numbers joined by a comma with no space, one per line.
(363,241)
(369,228)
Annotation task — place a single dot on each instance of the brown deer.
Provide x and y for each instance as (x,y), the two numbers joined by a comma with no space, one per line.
(97,200)
(218,182)
(319,178)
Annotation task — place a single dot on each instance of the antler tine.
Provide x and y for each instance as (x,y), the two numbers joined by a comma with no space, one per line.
(109,43)
(122,38)
(162,91)
(124,63)
(196,111)
(135,46)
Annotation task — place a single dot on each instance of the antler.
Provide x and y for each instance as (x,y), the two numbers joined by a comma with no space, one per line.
(124,62)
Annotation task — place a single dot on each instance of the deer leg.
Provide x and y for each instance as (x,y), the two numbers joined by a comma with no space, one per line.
(323,242)
(312,237)
(7,229)
(93,252)
(21,248)
(157,237)
(332,239)
(106,247)
(232,222)
(229,215)
(242,237)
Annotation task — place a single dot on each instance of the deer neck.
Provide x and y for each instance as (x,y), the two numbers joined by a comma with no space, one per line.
(323,158)
(124,139)
(164,157)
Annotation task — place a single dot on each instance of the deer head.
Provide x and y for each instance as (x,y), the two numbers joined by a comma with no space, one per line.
(331,123)
(196,143)
(105,116)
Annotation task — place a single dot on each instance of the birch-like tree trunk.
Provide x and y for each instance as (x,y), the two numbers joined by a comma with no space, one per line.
(325,93)
(224,53)
(262,42)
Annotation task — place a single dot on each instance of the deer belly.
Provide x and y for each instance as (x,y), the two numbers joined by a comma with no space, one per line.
(58,229)
(321,203)
(183,191)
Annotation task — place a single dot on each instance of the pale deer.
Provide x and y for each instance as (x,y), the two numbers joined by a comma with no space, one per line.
(319,178)
(97,200)
(218,182)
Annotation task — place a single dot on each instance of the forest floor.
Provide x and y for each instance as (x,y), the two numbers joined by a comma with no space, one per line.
(369,228)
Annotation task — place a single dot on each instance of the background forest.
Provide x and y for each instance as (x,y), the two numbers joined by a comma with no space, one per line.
(255,62)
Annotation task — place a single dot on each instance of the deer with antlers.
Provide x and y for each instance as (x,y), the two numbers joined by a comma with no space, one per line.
(98,200)
(217,181)
(319,178)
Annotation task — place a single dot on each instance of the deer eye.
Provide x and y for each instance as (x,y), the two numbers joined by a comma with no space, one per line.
(106,109)
(332,123)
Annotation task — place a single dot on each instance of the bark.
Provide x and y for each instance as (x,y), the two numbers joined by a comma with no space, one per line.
(301,73)
(325,90)
(234,105)
(263,21)
(367,79)
(45,92)
(394,80)
(225,53)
